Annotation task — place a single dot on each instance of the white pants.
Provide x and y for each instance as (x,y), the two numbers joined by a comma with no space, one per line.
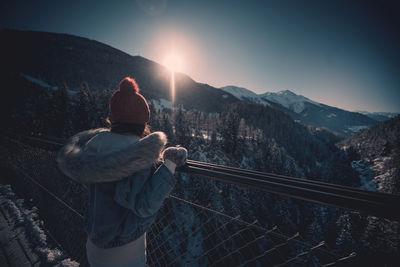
(139,262)
(131,254)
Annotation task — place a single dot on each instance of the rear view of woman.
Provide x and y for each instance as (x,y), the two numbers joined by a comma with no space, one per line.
(128,176)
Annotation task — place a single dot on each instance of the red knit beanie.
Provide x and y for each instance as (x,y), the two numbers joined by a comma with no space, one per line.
(127,105)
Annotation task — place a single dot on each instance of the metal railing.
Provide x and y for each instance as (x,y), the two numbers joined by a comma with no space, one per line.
(373,203)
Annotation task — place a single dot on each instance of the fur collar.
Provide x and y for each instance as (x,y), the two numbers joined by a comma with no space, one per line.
(96,156)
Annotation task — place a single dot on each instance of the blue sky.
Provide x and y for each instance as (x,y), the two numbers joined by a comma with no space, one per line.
(341,53)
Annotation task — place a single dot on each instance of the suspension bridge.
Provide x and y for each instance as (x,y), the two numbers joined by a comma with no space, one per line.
(217,238)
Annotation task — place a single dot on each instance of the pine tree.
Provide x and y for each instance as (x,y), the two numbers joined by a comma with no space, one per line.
(154,117)
(81,118)
(61,108)
(229,131)
(213,138)
(166,127)
(182,130)
(102,102)
(95,116)
(44,120)
(242,129)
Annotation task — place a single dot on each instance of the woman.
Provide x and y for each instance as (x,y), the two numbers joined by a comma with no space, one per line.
(127,175)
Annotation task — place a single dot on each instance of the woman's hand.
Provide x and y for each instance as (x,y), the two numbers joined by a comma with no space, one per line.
(177,155)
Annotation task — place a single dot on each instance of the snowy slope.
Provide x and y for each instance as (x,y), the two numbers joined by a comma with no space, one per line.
(286,98)
(306,111)
(244,94)
(38,82)
(376,156)
(289,100)
(45,84)
(379,116)
(160,104)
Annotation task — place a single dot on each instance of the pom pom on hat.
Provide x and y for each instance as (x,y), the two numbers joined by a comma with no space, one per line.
(128,86)
(127,105)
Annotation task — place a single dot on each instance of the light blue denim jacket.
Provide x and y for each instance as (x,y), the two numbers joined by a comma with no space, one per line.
(126,188)
(120,212)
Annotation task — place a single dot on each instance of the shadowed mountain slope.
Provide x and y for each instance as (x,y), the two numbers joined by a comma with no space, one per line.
(62,58)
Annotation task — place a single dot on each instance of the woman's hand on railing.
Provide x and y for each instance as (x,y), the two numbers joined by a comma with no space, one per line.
(177,155)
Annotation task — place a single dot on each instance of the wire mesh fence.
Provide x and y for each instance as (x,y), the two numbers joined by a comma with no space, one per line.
(223,240)
(33,174)
(184,234)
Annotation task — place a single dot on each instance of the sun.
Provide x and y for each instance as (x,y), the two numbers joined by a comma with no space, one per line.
(174,62)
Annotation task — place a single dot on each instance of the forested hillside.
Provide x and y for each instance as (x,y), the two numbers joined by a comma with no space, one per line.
(377,151)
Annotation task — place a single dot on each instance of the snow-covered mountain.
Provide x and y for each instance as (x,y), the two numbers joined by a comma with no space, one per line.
(379,116)
(244,94)
(286,98)
(289,100)
(306,111)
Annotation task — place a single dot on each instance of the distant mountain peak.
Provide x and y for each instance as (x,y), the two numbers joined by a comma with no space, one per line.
(289,100)
(243,94)
(378,116)
(286,92)
(286,98)
(306,111)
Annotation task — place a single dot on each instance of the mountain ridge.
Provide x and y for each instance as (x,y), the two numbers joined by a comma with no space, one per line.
(379,116)
(307,111)
(59,59)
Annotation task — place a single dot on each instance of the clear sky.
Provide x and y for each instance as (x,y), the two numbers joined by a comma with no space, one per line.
(341,53)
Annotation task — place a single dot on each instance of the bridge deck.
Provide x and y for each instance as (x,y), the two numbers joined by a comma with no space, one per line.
(15,248)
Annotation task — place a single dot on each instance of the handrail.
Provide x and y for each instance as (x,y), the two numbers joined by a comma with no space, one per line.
(374,203)
(288,179)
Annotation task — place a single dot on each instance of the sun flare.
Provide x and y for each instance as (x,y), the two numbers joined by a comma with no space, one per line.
(174,62)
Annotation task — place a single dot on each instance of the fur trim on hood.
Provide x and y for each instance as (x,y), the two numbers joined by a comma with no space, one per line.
(84,159)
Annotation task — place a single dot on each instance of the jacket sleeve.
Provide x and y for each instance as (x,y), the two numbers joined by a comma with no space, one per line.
(145,196)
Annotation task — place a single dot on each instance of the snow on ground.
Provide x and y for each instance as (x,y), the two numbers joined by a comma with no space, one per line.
(331,115)
(211,114)
(366,175)
(355,129)
(373,174)
(45,85)
(161,104)
(38,82)
(29,220)
(384,174)
(72,93)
